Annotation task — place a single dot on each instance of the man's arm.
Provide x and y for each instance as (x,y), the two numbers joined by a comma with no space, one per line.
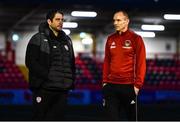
(140,67)
(32,55)
(106,63)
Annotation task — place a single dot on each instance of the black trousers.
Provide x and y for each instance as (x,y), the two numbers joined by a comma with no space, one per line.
(120,102)
(49,105)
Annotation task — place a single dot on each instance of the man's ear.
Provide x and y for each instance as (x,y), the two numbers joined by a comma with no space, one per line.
(128,21)
(49,21)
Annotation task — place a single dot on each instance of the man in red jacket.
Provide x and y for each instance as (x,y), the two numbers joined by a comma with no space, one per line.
(123,69)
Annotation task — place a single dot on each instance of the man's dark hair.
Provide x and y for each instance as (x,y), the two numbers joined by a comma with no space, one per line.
(50,15)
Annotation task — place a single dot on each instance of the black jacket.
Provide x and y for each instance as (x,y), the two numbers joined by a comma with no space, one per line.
(38,57)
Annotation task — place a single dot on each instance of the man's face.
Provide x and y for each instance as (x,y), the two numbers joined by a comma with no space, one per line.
(57,22)
(120,22)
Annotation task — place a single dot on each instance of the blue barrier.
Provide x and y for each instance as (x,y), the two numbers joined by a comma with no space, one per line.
(85,96)
(15,97)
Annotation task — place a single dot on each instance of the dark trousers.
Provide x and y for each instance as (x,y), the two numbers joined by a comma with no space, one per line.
(120,102)
(49,105)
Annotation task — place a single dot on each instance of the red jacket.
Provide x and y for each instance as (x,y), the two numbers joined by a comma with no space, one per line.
(125,59)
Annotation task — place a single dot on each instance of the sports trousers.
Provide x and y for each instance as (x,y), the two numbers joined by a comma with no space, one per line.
(49,105)
(119,101)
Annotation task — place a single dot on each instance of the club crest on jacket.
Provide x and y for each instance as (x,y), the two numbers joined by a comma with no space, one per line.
(127,44)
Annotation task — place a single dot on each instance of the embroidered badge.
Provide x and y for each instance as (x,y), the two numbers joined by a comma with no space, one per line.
(54,46)
(45,40)
(66,47)
(127,44)
(38,99)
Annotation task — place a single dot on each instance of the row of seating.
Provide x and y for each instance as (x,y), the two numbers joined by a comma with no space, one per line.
(10,76)
(163,62)
(162,74)
(89,74)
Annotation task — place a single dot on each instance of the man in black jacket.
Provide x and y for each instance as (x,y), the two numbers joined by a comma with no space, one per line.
(51,63)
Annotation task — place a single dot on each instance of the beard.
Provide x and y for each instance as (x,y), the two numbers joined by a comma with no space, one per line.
(57,29)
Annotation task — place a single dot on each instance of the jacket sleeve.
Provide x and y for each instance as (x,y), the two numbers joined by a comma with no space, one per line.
(72,56)
(73,62)
(31,59)
(106,64)
(73,66)
(140,63)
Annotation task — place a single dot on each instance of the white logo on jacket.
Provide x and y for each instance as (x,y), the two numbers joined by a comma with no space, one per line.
(66,47)
(113,45)
(45,40)
(104,102)
(54,46)
(38,99)
(132,102)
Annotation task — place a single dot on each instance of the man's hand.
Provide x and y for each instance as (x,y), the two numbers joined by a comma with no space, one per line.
(136,90)
(104,84)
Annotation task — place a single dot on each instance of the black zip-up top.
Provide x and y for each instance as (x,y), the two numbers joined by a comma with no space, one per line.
(50,60)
